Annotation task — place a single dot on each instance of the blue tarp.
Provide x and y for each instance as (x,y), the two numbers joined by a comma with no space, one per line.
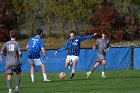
(117,59)
(137,58)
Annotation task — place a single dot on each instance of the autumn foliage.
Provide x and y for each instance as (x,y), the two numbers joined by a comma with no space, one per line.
(118,27)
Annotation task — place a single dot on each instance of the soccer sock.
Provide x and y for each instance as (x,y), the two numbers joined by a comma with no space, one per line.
(32,78)
(9,83)
(92,69)
(103,68)
(73,70)
(45,76)
(10,90)
(18,79)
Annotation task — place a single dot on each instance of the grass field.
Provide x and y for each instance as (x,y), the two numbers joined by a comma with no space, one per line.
(117,82)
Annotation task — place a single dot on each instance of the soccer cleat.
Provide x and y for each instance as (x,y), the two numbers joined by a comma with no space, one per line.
(16,90)
(103,76)
(47,80)
(72,75)
(10,91)
(88,74)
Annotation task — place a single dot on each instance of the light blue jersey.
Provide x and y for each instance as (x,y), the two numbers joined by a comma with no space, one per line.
(35,44)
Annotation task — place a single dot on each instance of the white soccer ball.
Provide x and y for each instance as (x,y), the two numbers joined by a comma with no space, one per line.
(62,75)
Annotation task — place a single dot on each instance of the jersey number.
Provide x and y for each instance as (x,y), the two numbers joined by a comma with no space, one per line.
(11,47)
(34,42)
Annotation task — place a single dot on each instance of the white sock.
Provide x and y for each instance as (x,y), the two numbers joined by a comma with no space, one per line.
(89,72)
(103,73)
(32,78)
(10,90)
(45,76)
(73,70)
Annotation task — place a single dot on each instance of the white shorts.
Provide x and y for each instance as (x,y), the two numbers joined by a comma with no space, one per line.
(36,62)
(72,58)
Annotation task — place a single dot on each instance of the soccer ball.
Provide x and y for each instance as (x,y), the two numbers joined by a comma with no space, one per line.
(62,75)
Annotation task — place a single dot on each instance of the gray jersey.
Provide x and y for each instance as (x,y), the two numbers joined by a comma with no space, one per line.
(12,48)
(102,45)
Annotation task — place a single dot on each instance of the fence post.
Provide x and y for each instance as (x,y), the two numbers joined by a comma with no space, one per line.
(132,57)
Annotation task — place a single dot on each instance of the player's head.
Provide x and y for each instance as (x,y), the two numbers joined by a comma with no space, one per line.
(104,35)
(72,34)
(13,34)
(39,32)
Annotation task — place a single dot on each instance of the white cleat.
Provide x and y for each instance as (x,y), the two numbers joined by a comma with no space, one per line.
(103,76)
(47,80)
(16,90)
(88,74)
(10,91)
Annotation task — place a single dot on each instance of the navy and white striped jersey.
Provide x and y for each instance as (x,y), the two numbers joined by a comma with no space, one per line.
(73,45)
(35,44)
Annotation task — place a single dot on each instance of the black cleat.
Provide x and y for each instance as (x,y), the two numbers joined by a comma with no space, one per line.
(72,75)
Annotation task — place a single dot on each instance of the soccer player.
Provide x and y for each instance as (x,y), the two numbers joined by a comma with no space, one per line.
(73,45)
(35,45)
(103,45)
(13,51)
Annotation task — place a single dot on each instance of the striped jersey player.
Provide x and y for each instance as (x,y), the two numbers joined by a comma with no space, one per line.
(34,46)
(73,46)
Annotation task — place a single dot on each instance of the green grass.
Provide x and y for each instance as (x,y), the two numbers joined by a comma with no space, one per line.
(117,82)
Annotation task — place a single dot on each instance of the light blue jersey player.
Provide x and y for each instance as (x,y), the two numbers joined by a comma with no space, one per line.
(73,46)
(34,46)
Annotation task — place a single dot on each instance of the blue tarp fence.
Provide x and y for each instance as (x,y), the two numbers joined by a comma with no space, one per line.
(117,59)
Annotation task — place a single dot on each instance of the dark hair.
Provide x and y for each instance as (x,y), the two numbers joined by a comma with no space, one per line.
(39,31)
(104,33)
(13,34)
(72,32)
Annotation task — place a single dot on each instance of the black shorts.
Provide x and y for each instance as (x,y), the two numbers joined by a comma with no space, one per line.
(11,69)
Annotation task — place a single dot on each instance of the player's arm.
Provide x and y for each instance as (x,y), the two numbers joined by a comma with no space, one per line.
(63,48)
(27,47)
(44,52)
(42,45)
(3,50)
(82,38)
(95,46)
(0,58)
(19,52)
(108,45)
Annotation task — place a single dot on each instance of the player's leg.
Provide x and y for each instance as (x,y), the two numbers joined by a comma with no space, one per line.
(68,61)
(9,82)
(9,73)
(73,68)
(103,69)
(18,79)
(32,69)
(75,60)
(93,68)
(41,63)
